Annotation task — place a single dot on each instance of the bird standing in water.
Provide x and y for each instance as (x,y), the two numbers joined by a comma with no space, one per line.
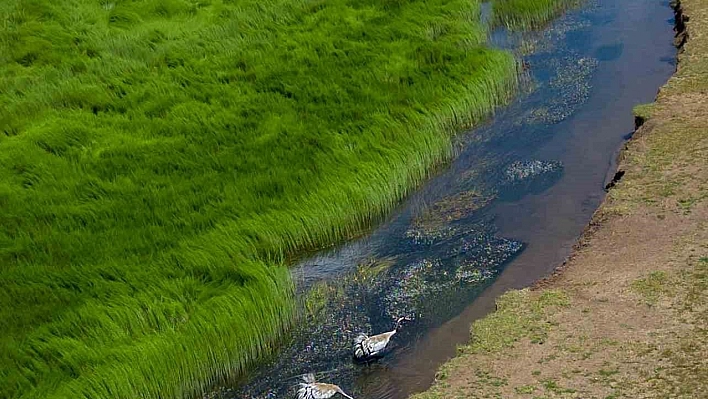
(310,389)
(366,347)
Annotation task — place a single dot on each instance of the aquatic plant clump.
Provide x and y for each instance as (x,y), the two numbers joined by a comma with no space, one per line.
(522,170)
(571,85)
(433,223)
(473,275)
(412,284)
(158,160)
(572,79)
(475,257)
(488,250)
(546,41)
(528,177)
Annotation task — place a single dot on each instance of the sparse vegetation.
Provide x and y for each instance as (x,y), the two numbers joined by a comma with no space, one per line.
(525,389)
(519,314)
(652,286)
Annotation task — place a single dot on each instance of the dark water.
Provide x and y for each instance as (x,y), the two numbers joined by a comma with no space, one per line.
(503,214)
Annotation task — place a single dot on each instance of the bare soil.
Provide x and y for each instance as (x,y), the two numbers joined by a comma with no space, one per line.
(627,314)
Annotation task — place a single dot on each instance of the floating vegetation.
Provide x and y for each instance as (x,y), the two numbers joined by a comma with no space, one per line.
(572,78)
(534,45)
(411,285)
(433,223)
(522,170)
(473,257)
(571,86)
(367,274)
(482,249)
(365,278)
(547,115)
(429,236)
(318,297)
(547,41)
(529,177)
(474,275)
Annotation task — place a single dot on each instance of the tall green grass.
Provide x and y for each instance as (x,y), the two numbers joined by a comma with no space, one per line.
(159,158)
(527,14)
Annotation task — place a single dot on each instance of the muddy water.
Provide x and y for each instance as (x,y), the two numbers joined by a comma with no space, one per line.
(502,215)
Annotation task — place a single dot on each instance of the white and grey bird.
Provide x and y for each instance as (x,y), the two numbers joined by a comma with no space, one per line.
(366,347)
(311,389)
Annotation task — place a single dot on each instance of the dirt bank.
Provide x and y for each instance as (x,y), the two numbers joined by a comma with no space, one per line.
(627,314)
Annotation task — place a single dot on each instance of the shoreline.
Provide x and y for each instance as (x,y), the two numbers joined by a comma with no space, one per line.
(624,314)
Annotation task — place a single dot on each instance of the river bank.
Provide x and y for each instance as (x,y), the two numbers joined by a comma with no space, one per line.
(625,316)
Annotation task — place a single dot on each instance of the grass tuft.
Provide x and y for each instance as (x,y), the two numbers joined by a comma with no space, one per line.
(643,111)
(652,287)
(527,14)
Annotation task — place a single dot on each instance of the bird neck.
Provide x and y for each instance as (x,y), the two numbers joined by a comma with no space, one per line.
(343,394)
(398,324)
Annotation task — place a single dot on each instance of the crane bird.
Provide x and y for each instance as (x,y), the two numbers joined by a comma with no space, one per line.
(366,347)
(310,389)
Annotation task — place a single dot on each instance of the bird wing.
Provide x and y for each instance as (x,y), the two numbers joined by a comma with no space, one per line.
(307,387)
(323,391)
(377,343)
(313,391)
(360,349)
(360,338)
(303,392)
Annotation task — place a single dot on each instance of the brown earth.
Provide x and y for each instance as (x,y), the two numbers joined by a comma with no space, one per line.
(627,314)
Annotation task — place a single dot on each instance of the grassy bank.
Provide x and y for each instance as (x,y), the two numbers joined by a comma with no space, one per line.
(158,158)
(524,14)
(627,316)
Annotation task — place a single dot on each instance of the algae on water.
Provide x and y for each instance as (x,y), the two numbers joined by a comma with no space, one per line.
(434,221)
(571,87)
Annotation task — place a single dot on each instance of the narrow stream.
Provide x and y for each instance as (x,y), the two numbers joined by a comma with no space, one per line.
(503,214)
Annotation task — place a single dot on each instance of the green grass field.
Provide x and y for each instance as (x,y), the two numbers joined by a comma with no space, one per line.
(160,158)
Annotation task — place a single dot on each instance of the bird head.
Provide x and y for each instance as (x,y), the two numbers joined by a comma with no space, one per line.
(401,320)
(309,378)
